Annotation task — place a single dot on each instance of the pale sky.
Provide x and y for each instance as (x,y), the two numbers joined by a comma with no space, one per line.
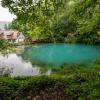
(5,15)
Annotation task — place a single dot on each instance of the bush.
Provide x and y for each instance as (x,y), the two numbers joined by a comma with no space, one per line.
(3,44)
(79,86)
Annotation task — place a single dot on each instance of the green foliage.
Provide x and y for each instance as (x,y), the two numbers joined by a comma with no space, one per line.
(87,15)
(77,83)
(58,20)
(3,44)
(74,87)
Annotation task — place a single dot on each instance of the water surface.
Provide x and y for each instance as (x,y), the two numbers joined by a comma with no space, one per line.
(58,54)
(27,60)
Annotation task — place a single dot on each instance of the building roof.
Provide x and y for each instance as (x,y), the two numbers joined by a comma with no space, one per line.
(12,33)
(1,32)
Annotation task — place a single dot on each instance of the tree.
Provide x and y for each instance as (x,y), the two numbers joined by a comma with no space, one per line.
(55,19)
(87,15)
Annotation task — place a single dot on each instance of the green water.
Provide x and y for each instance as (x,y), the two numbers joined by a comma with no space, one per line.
(59,54)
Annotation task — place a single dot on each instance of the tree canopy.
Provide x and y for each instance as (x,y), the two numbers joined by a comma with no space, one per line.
(58,20)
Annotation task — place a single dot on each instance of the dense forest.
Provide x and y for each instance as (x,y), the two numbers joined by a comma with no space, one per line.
(57,20)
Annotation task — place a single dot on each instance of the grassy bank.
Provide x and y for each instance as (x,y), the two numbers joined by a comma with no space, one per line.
(72,83)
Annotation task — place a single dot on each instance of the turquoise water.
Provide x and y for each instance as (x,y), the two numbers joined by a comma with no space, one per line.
(42,58)
(58,54)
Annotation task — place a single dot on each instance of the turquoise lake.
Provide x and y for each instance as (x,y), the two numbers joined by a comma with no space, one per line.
(59,54)
(26,61)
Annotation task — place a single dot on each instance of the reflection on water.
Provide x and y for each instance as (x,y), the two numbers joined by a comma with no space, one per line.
(26,61)
(18,66)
